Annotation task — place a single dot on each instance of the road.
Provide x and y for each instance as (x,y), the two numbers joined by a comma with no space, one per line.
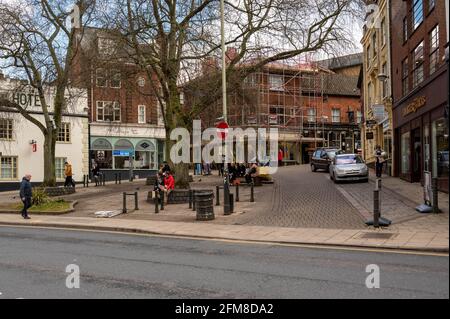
(33,265)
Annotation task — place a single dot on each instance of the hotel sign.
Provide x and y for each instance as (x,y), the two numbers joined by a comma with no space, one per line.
(416,104)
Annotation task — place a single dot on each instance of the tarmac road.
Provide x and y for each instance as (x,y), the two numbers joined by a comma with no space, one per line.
(33,264)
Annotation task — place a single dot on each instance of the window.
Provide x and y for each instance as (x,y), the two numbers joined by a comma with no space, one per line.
(276,82)
(369,94)
(405,73)
(108,111)
(250,79)
(141,81)
(431,4)
(434,49)
(374,44)
(123,149)
(418,64)
(311,115)
(358,117)
(8,167)
(141,114)
(417,13)
(277,115)
(383,32)
(115,79)
(405,29)
(405,153)
(64,133)
(336,116)
(106,46)
(369,55)
(6,129)
(439,146)
(384,71)
(101,153)
(100,75)
(59,167)
(145,155)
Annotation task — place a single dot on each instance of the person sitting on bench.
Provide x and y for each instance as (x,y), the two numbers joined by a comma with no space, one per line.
(169,185)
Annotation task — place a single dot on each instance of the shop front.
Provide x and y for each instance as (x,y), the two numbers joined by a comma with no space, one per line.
(421,135)
(121,155)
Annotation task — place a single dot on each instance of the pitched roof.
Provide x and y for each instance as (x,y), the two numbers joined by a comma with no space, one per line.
(342,61)
(338,84)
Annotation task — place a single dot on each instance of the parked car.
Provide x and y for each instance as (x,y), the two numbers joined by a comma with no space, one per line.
(348,167)
(322,158)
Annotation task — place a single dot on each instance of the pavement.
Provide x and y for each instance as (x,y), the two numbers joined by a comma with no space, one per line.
(301,207)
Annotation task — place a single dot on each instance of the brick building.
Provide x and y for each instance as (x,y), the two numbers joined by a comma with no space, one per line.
(126,127)
(420,90)
(311,106)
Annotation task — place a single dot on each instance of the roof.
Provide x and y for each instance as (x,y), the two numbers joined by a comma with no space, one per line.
(342,61)
(338,84)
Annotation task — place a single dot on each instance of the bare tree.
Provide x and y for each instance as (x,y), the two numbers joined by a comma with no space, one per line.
(171,37)
(37,45)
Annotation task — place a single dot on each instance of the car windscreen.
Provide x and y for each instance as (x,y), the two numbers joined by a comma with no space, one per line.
(348,159)
(331,153)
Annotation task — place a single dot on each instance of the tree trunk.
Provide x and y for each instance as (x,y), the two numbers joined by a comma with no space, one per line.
(49,160)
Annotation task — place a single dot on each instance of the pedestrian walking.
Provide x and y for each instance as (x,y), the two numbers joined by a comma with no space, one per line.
(379,160)
(96,173)
(68,173)
(280,157)
(26,194)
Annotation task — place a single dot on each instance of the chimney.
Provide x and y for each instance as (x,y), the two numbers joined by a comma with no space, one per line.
(209,64)
(75,17)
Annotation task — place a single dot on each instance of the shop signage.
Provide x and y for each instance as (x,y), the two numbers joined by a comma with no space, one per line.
(121,153)
(412,107)
(369,135)
(378,112)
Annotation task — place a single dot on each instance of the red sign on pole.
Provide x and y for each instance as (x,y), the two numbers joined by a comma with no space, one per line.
(34,147)
(222,130)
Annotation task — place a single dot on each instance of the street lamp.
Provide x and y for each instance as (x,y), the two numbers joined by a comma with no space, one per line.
(226,189)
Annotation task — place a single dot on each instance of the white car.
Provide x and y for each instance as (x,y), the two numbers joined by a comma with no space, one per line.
(348,167)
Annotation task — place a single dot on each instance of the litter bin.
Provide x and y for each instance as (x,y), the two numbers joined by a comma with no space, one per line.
(204,205)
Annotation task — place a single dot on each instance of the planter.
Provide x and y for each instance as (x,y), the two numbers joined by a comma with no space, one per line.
(59,191)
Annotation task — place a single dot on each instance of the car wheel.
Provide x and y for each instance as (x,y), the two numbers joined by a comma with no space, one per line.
(365,180)
(313,168)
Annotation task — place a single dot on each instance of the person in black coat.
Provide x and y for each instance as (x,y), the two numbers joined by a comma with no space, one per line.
(25,195)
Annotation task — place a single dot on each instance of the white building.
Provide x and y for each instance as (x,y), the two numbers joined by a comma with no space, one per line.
(21,142)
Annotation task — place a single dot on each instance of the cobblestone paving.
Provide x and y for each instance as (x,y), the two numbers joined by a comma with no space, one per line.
(304,199)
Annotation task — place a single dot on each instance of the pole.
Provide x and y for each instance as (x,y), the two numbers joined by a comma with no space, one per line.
(434,187)
(217,195)
(136,201)
(124,209)
(131,167)
(226,190)
(156,202)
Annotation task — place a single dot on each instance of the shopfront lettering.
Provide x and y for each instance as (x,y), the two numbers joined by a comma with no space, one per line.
(416,104)
(26,99)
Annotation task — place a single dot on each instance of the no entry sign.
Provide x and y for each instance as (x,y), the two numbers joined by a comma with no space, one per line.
(222,130)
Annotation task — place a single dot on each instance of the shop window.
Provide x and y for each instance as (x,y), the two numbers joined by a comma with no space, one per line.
(440,154)
(145,155)
(434,49)
(8,167)
(59,167)
(6,129)
(101,154)
(405,153)
(64,133)
(123,149)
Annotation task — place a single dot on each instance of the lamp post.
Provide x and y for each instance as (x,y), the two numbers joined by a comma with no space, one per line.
(226,189)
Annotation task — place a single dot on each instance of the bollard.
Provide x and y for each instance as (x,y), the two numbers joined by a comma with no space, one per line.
(136,201)
(237,192)
(124,210)
(434,188)
(231,205)
(190,198)
(87,180)
(376,207)
(252,194)
(193,201)
(120,178)
(115,175)
(217,195)
(156,202)
(162,200)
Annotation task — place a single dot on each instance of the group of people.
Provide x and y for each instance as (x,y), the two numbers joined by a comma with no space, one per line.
(165,181)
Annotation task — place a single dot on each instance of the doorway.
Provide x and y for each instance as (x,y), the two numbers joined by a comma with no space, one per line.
(416,156)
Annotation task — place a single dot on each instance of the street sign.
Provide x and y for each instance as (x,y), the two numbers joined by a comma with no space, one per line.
(371,122)
(121,153)
(378,112)
(222,130)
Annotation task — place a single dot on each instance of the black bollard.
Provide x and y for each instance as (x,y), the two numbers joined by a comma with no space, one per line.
(252,194)
(376,208)
(231,196)
(87,180)
(434,189)
(217,195)
(103,179)
(190,198)
(136,201)
(156,202)
(120,178)
(193,199)
(237,192)
(162,200)
(124,210)
(115,175)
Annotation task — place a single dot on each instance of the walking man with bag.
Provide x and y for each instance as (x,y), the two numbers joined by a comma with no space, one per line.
(26,194)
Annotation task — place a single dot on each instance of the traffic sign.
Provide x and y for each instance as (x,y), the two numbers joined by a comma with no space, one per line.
(222,130)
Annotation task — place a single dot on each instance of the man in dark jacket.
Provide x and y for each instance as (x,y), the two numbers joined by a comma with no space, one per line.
(25,195)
